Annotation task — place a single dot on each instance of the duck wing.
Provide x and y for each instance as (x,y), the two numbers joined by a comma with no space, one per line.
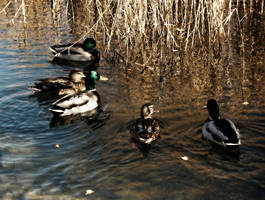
(53,84)
(73,100)
(73,88)
(74,104)
(145,130)
(137,130)
(212,132)
(57,80)
(228,128)
(64,48)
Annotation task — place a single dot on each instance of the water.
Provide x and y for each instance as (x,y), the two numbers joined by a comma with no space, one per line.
(98,154)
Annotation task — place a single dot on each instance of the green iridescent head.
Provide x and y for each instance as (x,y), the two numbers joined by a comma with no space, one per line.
(89,44)
(90,80)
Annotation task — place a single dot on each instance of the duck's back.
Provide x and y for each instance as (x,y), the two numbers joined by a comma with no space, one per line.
(144,130)
(52,84)
(228,128)
(75,104)
(64,48)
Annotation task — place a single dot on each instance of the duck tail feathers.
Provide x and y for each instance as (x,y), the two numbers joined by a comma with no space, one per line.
(56,111)
(64,97)
(234,144)
(34,89)
(53,50)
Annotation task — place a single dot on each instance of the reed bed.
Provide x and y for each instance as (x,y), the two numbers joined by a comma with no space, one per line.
(153,29)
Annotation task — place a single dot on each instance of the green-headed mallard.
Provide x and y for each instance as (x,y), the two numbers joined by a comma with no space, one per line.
(81,102)
(61,85)
(145,129)
(76,54)
(218,130)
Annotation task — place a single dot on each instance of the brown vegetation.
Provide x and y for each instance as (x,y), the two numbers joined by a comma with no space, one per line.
(169,37)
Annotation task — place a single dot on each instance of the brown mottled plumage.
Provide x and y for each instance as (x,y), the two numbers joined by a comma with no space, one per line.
(62,85)
(145,129)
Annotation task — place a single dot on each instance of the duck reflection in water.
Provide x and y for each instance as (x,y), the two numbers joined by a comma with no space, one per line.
(143,148)
(231,154)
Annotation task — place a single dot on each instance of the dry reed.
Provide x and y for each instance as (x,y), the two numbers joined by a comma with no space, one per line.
(154,28)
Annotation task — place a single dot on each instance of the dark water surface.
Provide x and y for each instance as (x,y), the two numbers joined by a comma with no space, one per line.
(99,155)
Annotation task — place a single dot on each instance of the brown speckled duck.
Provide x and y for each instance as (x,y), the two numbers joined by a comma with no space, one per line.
(61,85)
(145,129)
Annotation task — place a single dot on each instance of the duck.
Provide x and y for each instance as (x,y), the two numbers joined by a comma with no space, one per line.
(220,131)
(145,129)
(72,84)
(81,102)
(76,53)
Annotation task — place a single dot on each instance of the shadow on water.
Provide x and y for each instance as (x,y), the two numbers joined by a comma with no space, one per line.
(144,148)
(231,154)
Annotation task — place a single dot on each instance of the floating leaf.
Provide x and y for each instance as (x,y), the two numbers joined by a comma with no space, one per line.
(184,158)
(245,103)
(89,191)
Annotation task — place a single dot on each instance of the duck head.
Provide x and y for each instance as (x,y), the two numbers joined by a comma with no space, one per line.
(89,44)
(90,80)
(147,110)
(213,109)
(76,75)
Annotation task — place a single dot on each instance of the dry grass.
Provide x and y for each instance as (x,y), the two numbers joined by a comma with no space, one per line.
(152,29)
